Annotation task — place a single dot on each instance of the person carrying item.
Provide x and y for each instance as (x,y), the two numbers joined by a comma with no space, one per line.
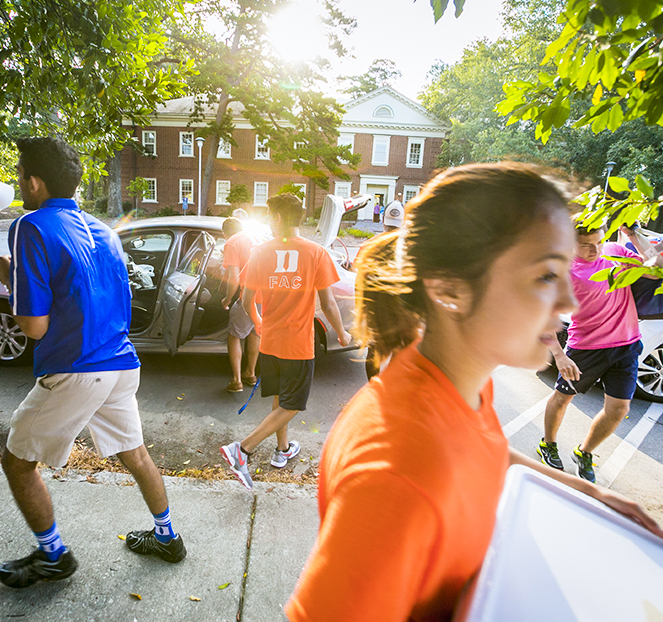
(604,344)
(288,271)
(412,471)
(240,326)
(70,292)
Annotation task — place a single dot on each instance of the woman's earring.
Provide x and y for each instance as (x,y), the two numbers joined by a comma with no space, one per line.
(447,305)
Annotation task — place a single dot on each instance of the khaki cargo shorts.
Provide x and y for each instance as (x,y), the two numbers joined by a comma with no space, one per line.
(47,422)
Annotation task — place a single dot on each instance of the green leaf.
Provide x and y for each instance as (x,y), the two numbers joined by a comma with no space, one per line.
(644,186)
(621,259)
(616,118)
(601,275)
(618,184)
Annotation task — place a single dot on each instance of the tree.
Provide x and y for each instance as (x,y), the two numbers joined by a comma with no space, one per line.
(282,101)
(292,188)
(382,72)
(79,68)
(608,55)
(239,195)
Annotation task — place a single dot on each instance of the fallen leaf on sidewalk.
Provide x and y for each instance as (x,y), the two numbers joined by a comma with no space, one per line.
(136,596)
(194,598)
(257,470)
(180,398)
(211,424)
(121,537)
(91,479)
(304,422)
(200,451)
(271,488)
(150,446)
(186,462)
(224,586)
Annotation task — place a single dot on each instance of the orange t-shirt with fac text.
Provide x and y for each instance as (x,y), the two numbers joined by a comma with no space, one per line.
(410,479)
(288,274)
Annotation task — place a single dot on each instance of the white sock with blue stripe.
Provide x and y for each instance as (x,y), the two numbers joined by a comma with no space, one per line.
(163,530)
(51,543)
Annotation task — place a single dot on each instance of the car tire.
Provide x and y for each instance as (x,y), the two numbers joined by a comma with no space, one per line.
(649,383)
(16,348)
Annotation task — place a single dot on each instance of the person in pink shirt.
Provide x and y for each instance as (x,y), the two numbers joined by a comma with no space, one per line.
(604,344)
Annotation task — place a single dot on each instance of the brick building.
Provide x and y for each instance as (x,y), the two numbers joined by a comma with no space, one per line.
(397,138)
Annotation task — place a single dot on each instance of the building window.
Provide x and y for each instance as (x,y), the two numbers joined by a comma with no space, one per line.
(343,189)
(224,149)
(260,192)
(380,151)
(150,195)
(384,112)
(222,190)
(415,152)
(150,142)
(186,144)
(409,192)
(303,189)
(348,140)
(262,150)
(186,190)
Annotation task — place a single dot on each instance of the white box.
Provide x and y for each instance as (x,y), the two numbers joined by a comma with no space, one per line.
(559,556)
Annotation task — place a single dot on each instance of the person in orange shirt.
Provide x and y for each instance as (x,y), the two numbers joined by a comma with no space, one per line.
(240,326)
(412,471)
(288,271)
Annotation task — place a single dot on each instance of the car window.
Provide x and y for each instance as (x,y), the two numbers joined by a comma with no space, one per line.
(193,260)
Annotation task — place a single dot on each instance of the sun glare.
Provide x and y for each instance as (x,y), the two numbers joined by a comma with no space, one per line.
(297,33)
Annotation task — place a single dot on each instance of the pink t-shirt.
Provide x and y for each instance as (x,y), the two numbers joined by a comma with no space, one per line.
(601,320)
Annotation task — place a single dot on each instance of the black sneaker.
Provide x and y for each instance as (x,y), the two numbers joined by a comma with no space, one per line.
(585,468)
(37,567)
(550,454)
(146,543)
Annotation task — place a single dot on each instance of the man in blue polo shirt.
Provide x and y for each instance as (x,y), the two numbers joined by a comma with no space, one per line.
(70,292)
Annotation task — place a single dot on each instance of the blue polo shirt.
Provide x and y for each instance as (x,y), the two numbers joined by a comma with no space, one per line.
(70,266)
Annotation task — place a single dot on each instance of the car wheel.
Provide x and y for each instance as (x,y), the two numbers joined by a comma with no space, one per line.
(15,346)
(649,384)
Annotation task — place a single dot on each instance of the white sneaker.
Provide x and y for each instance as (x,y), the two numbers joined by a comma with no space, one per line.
(239,463)
(280,458)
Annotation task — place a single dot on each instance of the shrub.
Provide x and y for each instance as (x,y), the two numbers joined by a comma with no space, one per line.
(359,233)
(127,206)
(101,205)
(168,211)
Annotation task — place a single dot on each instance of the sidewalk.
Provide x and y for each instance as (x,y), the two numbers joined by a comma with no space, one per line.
(257,543)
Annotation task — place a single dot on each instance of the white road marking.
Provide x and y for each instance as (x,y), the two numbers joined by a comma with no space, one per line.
(517,424)
(618,459)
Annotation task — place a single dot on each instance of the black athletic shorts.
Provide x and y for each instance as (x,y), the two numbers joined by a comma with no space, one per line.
(616,368)
(289,379)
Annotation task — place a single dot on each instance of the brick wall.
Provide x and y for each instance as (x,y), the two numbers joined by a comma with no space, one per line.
(168,167)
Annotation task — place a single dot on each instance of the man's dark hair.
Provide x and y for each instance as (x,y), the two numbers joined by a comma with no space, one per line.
(288,206)
(54,162)
(231,226)
(584,231)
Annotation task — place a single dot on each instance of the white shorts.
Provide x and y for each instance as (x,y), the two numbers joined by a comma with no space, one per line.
(240,324)
(47,422)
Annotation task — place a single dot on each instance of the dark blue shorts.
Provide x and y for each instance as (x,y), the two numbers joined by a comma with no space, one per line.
(289,379)
(616,368)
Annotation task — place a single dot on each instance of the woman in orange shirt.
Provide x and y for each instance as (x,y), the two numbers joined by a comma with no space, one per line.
(412,471)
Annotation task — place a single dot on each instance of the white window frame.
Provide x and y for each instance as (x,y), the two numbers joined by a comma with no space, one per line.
(261,155)
(346,139)
(343,189)
(388,109)
(410,143)
(153,143)
(218,189)
(380,139)
(255,192)
(151,181)
(303,187)
(226,152)
(408,189)
(182,154)
(182,182)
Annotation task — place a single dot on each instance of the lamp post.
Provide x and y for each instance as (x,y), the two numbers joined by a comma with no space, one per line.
(199,141)
(609,166)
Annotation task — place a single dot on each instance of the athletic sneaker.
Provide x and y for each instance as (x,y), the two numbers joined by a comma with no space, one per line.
(585,468)
(239,463)
(146,543)
(550,454)
(36,567)
(280,458)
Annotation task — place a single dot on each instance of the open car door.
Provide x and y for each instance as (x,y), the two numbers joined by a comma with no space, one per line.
(181,309)
(333,210)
